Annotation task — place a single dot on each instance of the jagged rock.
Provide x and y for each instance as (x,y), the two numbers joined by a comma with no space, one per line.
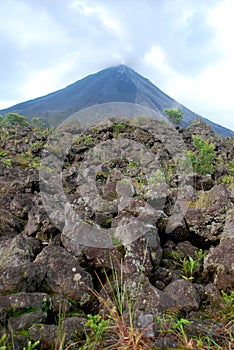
(156,194)
(141,296)
(203,328)
(39,224)
(144,253)
(133,230)
(185,249)
(212,292)
(101,257)
(10,225)
(64,276)
(21,204)
(18,250)
(149,299)
(25,277)
(26,320)
(78,233)
(220,261)
(21,302)
(206,216)
(126,199)
(184,293)
(73,328)
(201,129)
(47,334)
(162,276)
(177,229)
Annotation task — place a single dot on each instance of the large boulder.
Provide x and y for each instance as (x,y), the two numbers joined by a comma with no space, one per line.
(132,237)
(185,294)
(21,303)
(25,277)
(220,261)
(18,250)
(64,275)
(206,216)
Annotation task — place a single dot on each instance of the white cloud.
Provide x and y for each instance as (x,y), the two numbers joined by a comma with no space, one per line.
(156,57)
(94,9)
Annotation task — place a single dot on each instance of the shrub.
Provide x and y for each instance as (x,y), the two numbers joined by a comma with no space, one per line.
(203,156)
(174,115)
(15,119)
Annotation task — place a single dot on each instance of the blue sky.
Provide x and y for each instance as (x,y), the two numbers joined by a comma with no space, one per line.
(183,46)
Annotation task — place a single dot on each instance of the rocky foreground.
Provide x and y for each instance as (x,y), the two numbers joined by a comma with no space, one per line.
(127,219)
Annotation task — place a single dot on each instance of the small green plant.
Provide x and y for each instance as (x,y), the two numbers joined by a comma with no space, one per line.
(8,162)
(2,153)
(115,241)
(140,179)
(147,144)
(230,167)
(84,139)
(101,177)
(227,306)
(118,128)
(189,265)
(95,130)
(179,331)
(107,223)
(174,115)
(205,342)
(88,139)
(37,144)
(132,164)
(227,179)
(95,333)
(202,158)
(31,345)
(3,342)
(157,178)
(202,201)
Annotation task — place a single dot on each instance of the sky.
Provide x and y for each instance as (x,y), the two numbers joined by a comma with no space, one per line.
(185,47)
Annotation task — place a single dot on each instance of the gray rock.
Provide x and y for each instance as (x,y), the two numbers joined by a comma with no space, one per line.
(10,225)
(148,298)
(206,216)
(184,293)
(26,320)
(21,205)
(26,277)
(220,260)
(73,328)
(18,250)
(20,302)
(64,275)
(48,335)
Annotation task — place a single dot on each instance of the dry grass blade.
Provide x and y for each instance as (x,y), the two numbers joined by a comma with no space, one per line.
(121,333)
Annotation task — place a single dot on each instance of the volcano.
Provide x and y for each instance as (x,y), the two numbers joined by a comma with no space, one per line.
(114,84)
